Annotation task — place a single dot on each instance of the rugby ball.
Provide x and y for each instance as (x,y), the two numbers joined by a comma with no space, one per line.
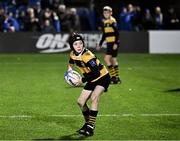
(72,78)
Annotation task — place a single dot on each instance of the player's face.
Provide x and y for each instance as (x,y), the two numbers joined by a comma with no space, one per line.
(78,46)
(107,14)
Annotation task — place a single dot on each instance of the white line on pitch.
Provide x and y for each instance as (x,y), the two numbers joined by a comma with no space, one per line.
(155,115)
(16,116)
(121,115)
(104,115)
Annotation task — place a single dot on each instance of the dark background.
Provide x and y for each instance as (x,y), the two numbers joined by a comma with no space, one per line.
(117,4)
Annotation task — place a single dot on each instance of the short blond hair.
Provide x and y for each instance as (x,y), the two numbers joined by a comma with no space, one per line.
(107,8)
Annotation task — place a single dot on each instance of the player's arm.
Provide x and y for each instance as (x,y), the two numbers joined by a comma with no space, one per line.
(71,64)
(95,72)
(70,67)
(102,39)
(103,35)
(116,32)
(98,47)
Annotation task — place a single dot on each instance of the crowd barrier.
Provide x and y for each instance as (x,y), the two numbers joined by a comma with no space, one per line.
(164,42)
(130,42)
(58,42)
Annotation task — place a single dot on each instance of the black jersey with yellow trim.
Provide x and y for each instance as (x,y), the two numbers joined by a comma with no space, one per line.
(89,65)
(110,31)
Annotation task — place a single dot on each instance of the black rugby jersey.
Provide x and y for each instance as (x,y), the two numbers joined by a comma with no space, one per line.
(89,65)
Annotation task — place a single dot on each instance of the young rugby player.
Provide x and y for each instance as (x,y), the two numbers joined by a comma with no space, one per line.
(96,77)
(111,36)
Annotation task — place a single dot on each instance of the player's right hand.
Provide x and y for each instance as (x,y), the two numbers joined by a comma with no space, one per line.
(115,46)
(98,47)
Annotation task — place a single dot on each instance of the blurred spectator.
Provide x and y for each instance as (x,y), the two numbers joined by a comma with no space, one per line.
(122,21)
(129,18)
(10,24)
(74,20)
(171,20)
(63,17)
(12,2)
(37,9)
(85,19)
(47,14)
(38,12)
(147,20)
(2,18)
(32,22)
(22,20)
(56,4)
(47,27)
(158,18)
(11,7)
(33,2)
(137,19)
(56,22)
(30,15)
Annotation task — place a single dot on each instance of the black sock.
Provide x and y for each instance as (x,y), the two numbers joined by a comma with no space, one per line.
(86,115)
(92,117)
(111,70)
(116,70)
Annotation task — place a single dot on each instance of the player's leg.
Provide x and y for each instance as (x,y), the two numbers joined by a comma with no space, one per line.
(108,56)
(108,61)
(94,109)
(115,65)
(116,69)
(82,99)
(95,97)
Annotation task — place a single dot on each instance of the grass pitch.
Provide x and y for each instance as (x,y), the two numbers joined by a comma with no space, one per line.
(36,103)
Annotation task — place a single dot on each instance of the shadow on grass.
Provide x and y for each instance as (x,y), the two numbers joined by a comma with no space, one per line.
(74,136)
(173,90)
(63,120)
(73,87)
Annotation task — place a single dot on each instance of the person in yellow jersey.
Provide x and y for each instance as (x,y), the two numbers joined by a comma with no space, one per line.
(111,36)
(96,77)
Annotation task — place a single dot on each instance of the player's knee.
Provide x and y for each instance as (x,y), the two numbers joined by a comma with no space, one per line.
(115,60)
(94,98)
(106,60)
(80,102)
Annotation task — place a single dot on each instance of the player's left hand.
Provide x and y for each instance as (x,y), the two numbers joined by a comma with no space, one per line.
(79,82)
(98,47)
(115,46)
